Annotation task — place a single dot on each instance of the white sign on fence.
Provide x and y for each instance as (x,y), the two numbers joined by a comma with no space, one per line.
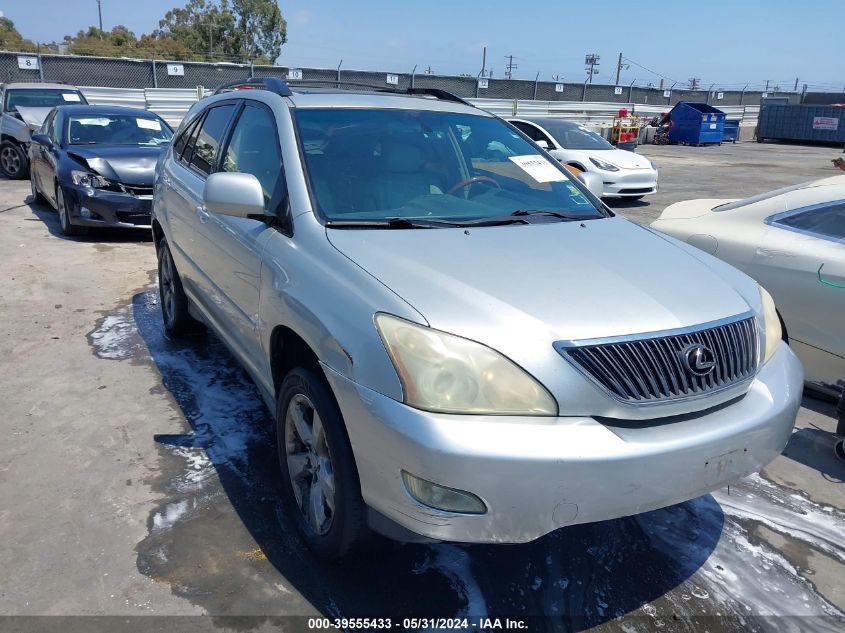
(720,95)
(176,70)
(294,73)
(483,83)
(27,62)
(825,123)
(667,93)
(617,90)
(392,79)
(765,95)
(558,87)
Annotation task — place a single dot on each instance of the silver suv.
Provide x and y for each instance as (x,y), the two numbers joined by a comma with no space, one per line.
(460,342)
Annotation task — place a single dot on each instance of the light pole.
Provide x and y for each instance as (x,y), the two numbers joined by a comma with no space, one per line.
(100,12)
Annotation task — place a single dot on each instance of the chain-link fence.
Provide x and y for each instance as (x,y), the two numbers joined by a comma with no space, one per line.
(140,73)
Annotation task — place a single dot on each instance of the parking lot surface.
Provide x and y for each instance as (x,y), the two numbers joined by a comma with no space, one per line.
(138,474)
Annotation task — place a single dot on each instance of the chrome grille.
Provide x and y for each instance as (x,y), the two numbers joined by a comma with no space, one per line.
(653,370)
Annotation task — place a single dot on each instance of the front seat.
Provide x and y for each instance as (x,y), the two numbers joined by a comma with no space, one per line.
(406,175)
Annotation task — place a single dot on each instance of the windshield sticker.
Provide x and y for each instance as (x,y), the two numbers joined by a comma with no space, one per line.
(71,96)
(576,196)
(538,168)
(148,124)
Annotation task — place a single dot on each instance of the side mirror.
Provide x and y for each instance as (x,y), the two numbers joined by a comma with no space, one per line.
(593,182)
(544,144)
(236,194)
(42,139)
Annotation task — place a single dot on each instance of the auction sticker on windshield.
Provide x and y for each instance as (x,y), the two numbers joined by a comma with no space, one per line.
(538,168)
(71,96)
(149,124)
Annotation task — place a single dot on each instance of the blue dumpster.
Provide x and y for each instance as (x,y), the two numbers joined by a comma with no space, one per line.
(731,131)
(696,123)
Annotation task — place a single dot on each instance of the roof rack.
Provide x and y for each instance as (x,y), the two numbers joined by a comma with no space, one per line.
(282,88)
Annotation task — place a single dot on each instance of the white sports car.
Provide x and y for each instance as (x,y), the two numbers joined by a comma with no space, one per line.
(792,241)
(625,174)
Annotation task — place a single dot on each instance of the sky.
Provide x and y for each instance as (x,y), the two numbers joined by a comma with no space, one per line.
(720,42)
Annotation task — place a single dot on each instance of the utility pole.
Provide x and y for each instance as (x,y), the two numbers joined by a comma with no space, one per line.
(694,83)
(767,85)
(100,11)
(795,89)
(619,68)
(483,61)
(591,62)
(510,66)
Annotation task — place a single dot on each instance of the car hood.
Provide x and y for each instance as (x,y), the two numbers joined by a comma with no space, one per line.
(619,157)
(33,117)
(130,165)
(566,280)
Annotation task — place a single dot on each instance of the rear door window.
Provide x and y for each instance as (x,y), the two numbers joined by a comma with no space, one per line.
(824,221)
(211,134)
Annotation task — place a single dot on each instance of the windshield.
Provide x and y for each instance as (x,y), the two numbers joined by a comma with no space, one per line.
(375,165)
(116,129)
(41,98)
(572,136)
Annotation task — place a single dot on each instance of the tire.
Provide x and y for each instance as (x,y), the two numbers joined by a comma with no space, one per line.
(13,161)
(67,227)
(839,450)
(325,471)
(37,198)
(177,320)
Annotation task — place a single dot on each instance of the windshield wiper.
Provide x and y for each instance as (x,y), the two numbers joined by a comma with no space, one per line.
(553,214)
(392,223)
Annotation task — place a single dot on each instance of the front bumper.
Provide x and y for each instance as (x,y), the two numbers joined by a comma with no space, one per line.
(536,475)
(95,207)
(629,182)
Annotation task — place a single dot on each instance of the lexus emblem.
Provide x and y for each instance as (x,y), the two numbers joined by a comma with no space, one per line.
(699,359)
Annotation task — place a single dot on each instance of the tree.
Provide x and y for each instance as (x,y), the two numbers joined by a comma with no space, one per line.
(118,42)
(243,30)
(261,29)
(11,40)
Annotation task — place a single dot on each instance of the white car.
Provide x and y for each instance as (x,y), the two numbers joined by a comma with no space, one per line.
(792,241)
(625,174)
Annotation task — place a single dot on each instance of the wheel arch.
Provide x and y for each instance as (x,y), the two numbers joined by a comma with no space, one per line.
(289,350)
(158,233)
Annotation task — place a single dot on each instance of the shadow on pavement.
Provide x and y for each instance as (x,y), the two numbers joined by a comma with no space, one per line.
(208,554)
(814,448)
(48,215)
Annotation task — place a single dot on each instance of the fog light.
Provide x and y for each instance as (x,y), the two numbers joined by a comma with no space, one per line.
(85,212)
(441,497)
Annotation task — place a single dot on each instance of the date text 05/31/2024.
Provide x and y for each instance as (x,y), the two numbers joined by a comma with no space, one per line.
(387,624)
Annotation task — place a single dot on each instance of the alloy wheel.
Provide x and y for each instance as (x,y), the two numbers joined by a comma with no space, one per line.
(309,464)
(168,294)
(10,160)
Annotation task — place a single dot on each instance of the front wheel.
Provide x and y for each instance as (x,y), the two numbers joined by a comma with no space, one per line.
(37,198)
(320,481)
(68,228)
(13,161)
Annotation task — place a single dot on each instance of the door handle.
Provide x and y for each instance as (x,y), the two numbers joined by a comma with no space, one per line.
(202,214)
(828,282)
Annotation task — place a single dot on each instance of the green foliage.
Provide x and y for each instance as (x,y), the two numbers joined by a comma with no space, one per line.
(217,30)
(11,40)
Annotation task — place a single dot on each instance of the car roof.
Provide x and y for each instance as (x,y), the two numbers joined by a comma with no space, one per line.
(38,86)
(107,109)
(545,121)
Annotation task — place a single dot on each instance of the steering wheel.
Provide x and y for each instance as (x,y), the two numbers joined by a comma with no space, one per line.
(466,182)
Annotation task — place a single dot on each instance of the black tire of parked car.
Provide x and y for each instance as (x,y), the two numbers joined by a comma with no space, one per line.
(13,161)
(37,197)
(64,217)
(174,302)
(348,532)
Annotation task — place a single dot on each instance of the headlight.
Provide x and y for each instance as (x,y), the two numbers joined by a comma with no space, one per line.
(87,179)
(771,325)
(449,374)
(603,164)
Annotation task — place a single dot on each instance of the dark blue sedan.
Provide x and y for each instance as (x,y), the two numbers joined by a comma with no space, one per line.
(95,165)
